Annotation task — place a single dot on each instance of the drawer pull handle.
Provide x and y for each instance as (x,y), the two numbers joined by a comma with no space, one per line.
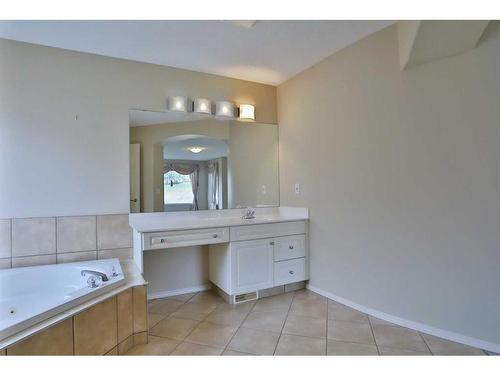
(215,235)
(291,272)
(162,240)
(271,243)
(290,247)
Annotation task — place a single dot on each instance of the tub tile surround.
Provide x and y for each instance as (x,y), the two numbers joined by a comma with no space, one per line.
(271,326)
(49,240)
(109,327)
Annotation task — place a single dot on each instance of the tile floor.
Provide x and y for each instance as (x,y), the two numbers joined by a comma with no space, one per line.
(295,323)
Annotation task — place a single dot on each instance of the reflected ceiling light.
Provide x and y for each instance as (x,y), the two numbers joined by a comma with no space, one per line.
(196,150)
(247,112)
(202,106)
(177,103)
(224,109)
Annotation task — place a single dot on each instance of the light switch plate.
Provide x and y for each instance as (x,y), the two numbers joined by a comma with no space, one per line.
(297,188)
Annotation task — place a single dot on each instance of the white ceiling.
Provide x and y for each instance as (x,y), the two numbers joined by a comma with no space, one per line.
(269,52)
(176,148)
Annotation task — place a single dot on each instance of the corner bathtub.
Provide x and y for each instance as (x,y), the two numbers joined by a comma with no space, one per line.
(30,295)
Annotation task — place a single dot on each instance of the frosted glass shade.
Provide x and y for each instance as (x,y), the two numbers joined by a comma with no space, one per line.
(224,109)
(247,112)
(202,106)
(177,103)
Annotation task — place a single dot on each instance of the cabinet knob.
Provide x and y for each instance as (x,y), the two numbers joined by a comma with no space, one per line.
(162,240)
(291,272)
(271,243)
(290,247)
(215,235)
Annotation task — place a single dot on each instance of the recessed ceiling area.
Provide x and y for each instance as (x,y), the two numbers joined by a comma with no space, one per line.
(178,148)
(267,52)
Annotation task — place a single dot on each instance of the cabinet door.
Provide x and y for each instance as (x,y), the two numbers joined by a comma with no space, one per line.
(251,266)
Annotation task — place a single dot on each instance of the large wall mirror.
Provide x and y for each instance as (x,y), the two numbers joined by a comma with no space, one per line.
(184,162)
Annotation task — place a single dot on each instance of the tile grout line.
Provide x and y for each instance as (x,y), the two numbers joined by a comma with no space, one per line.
(167,316)
(373,334)
(327,319)
(283,326)
(239,326)
(425,342)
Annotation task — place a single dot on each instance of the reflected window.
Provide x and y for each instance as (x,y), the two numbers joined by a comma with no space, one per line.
(177,188)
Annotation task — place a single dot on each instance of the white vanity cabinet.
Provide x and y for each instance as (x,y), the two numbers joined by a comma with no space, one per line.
(245,255)
(249,263)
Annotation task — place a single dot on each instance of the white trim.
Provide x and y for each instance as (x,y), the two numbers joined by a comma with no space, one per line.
(176,292)
(448,335)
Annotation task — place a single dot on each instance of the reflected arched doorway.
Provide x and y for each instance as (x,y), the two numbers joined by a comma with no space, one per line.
(194,173)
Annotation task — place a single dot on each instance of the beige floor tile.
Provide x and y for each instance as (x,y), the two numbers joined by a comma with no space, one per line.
(154,319)
(234,352)
(379,322)
(267,321)
(439,346)
(360,333)
(163,306)
(305,326)
(307,295)
(299,345)
(155,346)
(188,348)
(246,306)
(312,307)
(182,297)
(174,328)
(231,317)
(399,338)
(254,341)
(393,351)
(211,334)
(280,302)
(208,297)
(338,311)
(194,311)
(349,348)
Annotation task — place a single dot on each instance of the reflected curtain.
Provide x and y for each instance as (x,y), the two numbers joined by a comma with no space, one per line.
(187,169)
(194,185)
(213,185)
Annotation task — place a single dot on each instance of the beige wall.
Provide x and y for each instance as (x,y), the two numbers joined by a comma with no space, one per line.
(252,164)
(400,171)
(53,164)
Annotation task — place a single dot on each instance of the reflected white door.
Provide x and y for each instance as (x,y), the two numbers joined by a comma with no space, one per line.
(135,177)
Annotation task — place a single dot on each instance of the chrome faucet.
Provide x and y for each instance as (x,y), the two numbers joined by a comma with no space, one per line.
(249,213)
(102,275)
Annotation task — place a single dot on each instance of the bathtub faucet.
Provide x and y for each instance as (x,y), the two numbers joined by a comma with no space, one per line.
(103,276)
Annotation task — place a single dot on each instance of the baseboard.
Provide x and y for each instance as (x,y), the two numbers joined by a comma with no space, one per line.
(176,292)
(448,335)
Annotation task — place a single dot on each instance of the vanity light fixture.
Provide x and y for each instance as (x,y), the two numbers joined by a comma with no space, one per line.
(202,106)
(247,112)
(224,109)
(196,150)
(177,103)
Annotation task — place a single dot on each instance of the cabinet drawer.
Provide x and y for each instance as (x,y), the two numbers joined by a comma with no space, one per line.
(289,271)
(289,247)
(180,238)
(250,232)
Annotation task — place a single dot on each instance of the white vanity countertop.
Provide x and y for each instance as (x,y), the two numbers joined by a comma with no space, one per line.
(163,221)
